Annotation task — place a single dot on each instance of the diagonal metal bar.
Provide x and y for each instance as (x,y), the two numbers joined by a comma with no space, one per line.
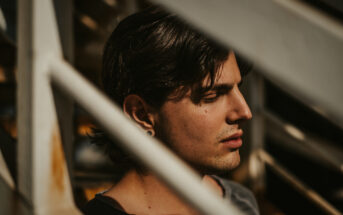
(5,174)
(298,47)
(320,150)
(296,183)
(164,163)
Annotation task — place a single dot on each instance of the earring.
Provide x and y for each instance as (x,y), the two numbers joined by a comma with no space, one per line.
(149,132)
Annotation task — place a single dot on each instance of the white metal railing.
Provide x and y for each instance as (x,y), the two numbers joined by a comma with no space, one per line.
(301,141)
(297,183)
(291,41)
(39,143)
(293,44)
(4,172)
(43,177)
(164,163)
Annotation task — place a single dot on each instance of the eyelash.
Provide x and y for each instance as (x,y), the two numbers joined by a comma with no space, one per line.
(213,97)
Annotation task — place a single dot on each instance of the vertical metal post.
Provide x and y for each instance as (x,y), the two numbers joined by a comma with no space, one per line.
(64,17)
(42,173)
(64,104)
(256,166)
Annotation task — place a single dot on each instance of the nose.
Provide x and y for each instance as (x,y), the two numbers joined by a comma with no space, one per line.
(239,110)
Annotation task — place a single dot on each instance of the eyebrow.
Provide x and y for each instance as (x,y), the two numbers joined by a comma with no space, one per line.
(223,87)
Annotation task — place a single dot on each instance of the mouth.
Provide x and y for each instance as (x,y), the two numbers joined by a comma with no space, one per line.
(234,141)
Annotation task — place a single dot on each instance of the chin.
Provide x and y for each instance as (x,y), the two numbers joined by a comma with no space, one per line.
(219,168)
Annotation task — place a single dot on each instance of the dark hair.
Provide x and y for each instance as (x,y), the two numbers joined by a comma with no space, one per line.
(153,54)
(157,56)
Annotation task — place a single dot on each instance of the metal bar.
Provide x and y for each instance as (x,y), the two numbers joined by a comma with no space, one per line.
(8,20)
(64,15)
(303,142)
(24,101)
(11,203)
(64,104)
(292,42)
(43,179)
(299,185)
(169,167)
(4,173)
(256,100)
(314,16)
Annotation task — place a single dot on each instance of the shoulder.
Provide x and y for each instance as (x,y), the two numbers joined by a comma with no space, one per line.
(102,205)
(241,196)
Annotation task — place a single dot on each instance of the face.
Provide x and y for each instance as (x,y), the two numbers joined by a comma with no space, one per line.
(207,134)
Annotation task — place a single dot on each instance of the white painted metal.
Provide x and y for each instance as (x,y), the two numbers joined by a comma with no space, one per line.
(147,149)
(39,141)
(11,203)
(64,105)
(3,24)
(307,144)
(64,15)
(24,101)
(297,46)
(5,174)
(42,174)
(299,185)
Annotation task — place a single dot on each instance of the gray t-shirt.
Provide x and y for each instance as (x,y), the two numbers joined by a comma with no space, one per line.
(233,192)
(239,196)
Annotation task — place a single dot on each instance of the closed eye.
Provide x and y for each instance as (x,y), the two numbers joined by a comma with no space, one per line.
(213,95)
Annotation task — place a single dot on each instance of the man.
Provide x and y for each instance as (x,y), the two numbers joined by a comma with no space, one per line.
(181,88)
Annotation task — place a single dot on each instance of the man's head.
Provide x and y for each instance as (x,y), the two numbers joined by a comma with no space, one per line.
(177,85)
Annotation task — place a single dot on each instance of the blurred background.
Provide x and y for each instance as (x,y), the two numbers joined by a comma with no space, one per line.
(293,150)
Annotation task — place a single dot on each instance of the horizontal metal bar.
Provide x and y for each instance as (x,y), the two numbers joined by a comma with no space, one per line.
(293,137)
(297,47)
(148,150)
(299,185)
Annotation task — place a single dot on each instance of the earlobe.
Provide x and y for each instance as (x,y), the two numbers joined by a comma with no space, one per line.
(151,133)
(139,111)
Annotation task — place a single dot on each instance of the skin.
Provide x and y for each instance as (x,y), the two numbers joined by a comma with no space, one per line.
(195,131)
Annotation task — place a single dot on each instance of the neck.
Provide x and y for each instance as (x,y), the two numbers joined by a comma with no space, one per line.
(142,194)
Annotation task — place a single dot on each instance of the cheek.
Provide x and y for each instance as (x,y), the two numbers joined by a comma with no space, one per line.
(190,126)
(200,125)
(211,116)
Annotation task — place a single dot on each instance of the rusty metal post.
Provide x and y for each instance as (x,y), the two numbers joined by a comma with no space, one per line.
(42,172)
(64,104)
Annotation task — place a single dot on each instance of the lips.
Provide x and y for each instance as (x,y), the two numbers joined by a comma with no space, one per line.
(234,141)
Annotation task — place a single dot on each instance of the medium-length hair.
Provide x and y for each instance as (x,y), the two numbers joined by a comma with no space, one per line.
(157,56)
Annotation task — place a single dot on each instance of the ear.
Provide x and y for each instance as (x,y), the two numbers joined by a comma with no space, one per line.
(140,112)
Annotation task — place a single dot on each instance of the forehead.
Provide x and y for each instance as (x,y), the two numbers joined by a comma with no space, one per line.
(228,73)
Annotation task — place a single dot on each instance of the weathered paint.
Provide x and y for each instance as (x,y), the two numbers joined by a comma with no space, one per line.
(58,161)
